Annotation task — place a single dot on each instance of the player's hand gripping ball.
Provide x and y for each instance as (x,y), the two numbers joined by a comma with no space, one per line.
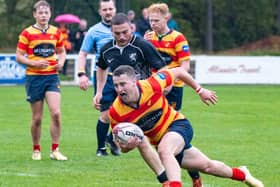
(122,132)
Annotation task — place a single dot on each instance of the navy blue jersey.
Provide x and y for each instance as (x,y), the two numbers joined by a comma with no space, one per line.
(138,53)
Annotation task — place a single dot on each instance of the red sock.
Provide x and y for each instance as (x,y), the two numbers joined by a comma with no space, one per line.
(54,146)
(237,174)
(172,184)
(36,147)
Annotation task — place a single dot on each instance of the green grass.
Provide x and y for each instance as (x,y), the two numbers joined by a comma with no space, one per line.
(243,129)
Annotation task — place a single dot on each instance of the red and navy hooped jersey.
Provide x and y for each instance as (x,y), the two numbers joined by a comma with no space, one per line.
(38,44)
(153,114)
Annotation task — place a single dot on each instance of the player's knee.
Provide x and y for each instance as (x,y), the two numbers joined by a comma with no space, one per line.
(104,117)
(36,120)
(163,152)
(210,166)
(56,115)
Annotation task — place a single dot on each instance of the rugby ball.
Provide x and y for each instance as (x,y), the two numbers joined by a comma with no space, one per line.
(123,131)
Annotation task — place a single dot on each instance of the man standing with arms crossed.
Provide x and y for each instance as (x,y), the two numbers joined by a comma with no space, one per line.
(41,42)
(174,48)
(96,37)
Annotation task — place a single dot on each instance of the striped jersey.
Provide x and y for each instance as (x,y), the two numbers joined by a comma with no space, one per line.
(38,44)
(153,114)
(174,48)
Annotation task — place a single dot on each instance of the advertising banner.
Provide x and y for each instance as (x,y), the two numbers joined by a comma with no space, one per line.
(237,70)
(11,72)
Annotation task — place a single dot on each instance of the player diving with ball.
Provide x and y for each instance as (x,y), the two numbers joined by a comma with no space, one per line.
(143,103)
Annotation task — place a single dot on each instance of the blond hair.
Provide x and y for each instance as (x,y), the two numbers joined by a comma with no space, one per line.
(161,8)
(40,3)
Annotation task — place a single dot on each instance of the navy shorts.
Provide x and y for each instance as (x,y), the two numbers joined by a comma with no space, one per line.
(108,93)
(174,97)
(37,85)
(184,128)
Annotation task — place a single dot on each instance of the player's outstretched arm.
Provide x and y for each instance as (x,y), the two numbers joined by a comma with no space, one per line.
(150,156)
(207,96)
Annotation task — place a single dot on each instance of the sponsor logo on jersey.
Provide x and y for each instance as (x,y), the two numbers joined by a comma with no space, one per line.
(44,50)
(110,60)
(148,121)
(161,76)
(132,57)
(185,48)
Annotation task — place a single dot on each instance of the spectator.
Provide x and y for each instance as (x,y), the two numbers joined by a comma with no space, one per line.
(78,36)
(77,40)
(131,16)
(142,24)
(133,28)
(66,42)
(172,24)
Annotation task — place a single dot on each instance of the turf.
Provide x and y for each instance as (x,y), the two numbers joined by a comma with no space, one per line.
(242,129)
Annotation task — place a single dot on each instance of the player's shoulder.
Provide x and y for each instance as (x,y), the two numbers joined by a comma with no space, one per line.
(98,27)
(116,108)
(163,75)
(138,40)
(107,46)
(176,35)
(141,42)
(28,29)
(53,28)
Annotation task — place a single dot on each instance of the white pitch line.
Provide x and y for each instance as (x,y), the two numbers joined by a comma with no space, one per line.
(19,174)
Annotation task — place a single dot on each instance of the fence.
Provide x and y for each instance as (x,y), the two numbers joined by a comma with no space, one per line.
(205,69)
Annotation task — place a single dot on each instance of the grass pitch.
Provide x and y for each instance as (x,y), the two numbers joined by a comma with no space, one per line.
(242,129)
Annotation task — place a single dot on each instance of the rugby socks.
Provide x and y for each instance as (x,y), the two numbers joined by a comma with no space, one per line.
(101,130)
(162,177)
(36,147)
(110,138)
(172,184)
(54,146)
(194,174)
(238,175)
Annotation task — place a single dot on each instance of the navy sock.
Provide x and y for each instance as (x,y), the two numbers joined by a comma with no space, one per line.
(194,174)
(101,131)
(110,138)
(162,177)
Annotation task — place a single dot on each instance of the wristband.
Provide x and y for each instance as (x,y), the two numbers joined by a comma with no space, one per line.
(199,90)
(81,74)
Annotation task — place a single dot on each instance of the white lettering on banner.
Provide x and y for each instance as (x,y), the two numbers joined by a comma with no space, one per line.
(10,69)
(240,69)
